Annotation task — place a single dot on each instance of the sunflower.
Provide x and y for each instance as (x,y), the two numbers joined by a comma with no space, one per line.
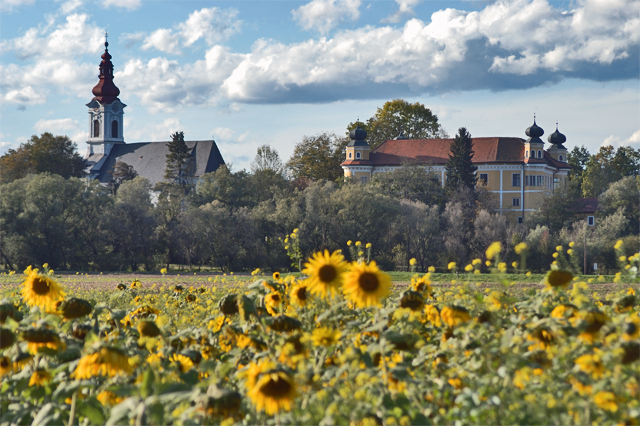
(542,337)
(558,278)
(221,403)
(121,287)
(40,377)
(148,328)
(80,331)
(606,401)
(74,308)
(40,290)
(229,305)
(7,338)
(365,284)
(273,391)
(144,311)
(631,328)
(591,364)
(433,315)
(325,336)
(272,301)
(20,360)
(108,398)
(184,363)
(625,304)
(421,285)
(136,284)
(251,342)
(42,338)
(276,275)
(631,352)
(5,366)
(454,315)
(326,273)
(107,361)
(285,323)
(493,250)
(293,351)
(564,311)
(412,300)
(299,295)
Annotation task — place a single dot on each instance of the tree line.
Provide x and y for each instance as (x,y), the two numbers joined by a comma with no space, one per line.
(239,220)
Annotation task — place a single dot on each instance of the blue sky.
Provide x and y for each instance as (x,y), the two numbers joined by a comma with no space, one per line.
(253,72)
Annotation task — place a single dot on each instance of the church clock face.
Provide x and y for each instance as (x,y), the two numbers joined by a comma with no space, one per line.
(115,108)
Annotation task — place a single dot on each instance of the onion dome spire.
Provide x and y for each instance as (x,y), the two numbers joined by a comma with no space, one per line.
(534,131)
(358,136)
(557,138)
(105,91)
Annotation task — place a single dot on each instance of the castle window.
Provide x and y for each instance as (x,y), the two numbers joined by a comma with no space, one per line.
(96,128)
(539,180)
(519,219)
(591,220)
(114,129)
(539,154)
(515,179)
(349,155)
(357,155)
(526,154)
(484,178)
(515,202)
(363,179)
(561,158)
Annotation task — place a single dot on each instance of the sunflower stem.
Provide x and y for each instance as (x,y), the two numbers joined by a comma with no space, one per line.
(72,414)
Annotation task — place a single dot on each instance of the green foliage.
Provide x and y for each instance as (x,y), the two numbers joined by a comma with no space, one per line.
(412,182)
(318,158)
(120,173)
(180,165)
(625,195)
(578,159)
(44,154)
(415,121)
(460,170)
(608,166)
(558,207)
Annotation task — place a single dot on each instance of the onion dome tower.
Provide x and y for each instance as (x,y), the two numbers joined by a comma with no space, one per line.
(557,149)
(358,148)
(105,110)
(534,146)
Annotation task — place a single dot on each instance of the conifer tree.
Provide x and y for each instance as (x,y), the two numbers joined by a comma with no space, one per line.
(179,165)
(461,172)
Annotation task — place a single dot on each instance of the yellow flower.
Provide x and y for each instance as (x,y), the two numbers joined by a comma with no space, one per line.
(521,378)
(106,362)
(558,248)
(40,290)
(272,301)
(325,336)
(555,255)
(358,243)
(476,262)
(591,364)
(276,275)
(42,338)
(413,261)
(514,264)
(521,247)
(136,284)
(468,268)
(108,398)
(299,295)
(39,377)
(273,391)
(5,366)
(326,273)
(433,315)
(421,285)
(563,311)
(451,265)
(488,263)
(454,315)
(431,269)
(494,249)
(148,328)
(618,244)
(366,284)
(163,271)
(631,328)
(349,242)
(368,245)
(606,401)
(184,363)
(412,300)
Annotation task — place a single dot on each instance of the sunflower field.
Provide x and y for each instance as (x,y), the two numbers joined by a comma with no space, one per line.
(340,344)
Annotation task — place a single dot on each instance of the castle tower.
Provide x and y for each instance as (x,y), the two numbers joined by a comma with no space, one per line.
(534,146)
(106,120)
(357,165)
(557,150)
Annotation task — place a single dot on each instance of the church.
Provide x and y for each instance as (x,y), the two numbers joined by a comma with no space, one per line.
(106,144)
(517,171)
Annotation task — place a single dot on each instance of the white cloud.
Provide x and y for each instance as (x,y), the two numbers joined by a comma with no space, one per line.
(127,4)
(405,8)
(56,125)
(632,141)
(69,6)
(9,5)
(212,25)
(223,133)
(324,15)
(25,95)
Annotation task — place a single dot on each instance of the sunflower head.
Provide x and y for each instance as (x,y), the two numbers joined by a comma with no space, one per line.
(325,336)
(326,273)
(454,315)
(229,305)
(8,310)
(366,284)
(5,366)
(271,390)
(558,279)
(299,295)
(106,361)
(625,304)
(221,403)
(40,289)
(285,323)
(276,275)
(412,300)
(7,338)
(631,352)
(148,328)
(80,331)
(182,362)
(74,308)
(40,377)
(272,301)
(121,287)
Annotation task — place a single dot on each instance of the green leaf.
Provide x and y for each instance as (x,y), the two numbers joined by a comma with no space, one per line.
(91,409)
(147,383)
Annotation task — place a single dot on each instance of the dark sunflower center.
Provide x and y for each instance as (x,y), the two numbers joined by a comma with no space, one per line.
(275,298)
(40,286)
(276,388)
(368,282)
(630,328)
(4,362)
(327,273)
(302,293)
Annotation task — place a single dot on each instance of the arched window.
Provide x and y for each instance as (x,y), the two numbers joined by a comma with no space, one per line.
(561,158)
(526,154)
(96,128)
(357,155)
(539,154)
(349,155)
(114,129)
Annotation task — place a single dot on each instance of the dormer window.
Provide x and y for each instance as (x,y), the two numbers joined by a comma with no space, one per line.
(349,155)
(526,154)
(561,158)
(539,154)
(357,155)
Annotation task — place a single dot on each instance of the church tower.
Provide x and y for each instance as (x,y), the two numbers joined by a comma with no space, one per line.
(106,111)
(534,147)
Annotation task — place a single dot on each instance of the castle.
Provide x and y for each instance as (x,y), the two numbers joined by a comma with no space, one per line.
(517,171)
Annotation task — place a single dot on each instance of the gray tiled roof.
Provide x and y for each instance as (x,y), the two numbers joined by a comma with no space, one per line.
(149,159)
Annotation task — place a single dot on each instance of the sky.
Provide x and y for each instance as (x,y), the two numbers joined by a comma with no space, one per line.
(248,73)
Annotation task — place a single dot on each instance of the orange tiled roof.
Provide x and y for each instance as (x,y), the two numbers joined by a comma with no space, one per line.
(436,151)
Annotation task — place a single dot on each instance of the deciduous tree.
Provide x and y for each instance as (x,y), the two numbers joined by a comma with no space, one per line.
(319,157)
